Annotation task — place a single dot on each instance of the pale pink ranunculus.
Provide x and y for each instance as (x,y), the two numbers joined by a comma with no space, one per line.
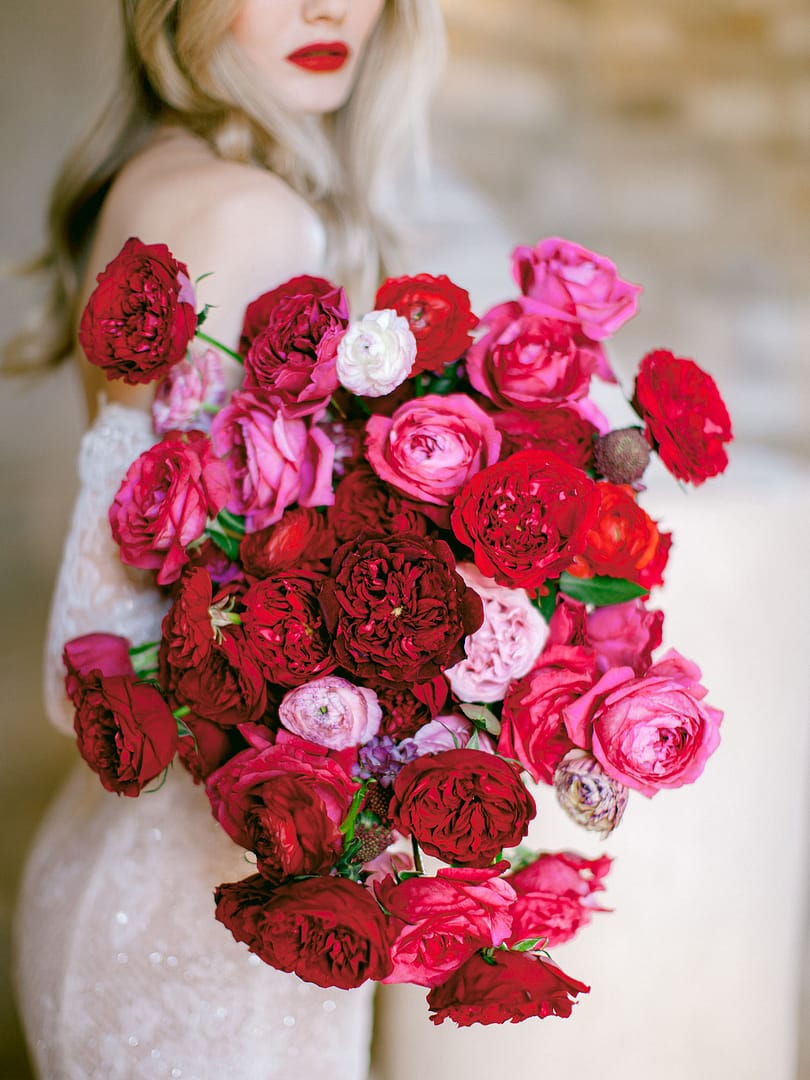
(651,732)
(189,394)
(273,461)
(624,635)
(577,282)
(443,920)
(331,712)
(451,732)
(506,645)
(432,446)
(376,354)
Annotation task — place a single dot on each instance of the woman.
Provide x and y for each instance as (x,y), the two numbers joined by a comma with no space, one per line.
(250,137)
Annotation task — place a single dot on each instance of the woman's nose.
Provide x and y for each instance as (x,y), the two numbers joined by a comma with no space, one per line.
(333,11)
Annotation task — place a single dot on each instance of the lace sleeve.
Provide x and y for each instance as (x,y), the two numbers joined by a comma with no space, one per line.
(94,590)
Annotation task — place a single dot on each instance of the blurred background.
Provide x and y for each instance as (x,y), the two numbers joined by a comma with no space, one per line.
(674,137)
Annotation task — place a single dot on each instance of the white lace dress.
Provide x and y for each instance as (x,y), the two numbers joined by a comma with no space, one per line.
(122,971)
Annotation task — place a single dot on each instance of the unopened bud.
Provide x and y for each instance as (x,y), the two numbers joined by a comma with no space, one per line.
(622,456)
(587,794)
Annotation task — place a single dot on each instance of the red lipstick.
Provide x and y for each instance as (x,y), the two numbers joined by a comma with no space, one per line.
(320,56)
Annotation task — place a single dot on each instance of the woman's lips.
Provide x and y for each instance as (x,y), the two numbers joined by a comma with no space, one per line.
(321,56)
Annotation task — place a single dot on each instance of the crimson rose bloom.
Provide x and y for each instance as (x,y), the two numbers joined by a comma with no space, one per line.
(329,931)
(187,630)
(164,501)
(208,746)
(687,420)
(438,313)
(525,518)
(510,986)
(405,709)
(140,317)
(397,609)
(462,806)
(289,341)
(366,504)
(555,896)
(302,539)
(557,429)
(227,688)
(125,731)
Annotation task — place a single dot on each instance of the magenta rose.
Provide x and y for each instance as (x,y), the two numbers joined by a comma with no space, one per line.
(576,282)
(331,712)
(95,654)
(651,732)
(273,461)
(192,389)
(625,635)
(432,446)
(555,896)
(165,500)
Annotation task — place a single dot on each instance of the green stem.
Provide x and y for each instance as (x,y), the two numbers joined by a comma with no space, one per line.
(417,856)
(347,828)
(218,345)
(184,710)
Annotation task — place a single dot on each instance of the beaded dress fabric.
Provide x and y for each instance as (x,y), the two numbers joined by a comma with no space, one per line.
(122,971)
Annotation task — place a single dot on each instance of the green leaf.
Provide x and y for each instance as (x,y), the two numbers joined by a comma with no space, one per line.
(482,717)
(226,530)
(529,945)
(600,591)
(546,604)
(474,743)
(145,658)
(203,315)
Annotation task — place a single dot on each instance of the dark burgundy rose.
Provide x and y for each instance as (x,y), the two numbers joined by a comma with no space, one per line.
(284,628)
(406,709)
(188,632)
(508,986)
(526,518)
(438,313)
(301,539)
(462,806)
(207,747)
(366,504)
(140,317)
(398,611)
(125,731)
(227,688)
(328,931)
(559,429)
(289,340)
(95,654)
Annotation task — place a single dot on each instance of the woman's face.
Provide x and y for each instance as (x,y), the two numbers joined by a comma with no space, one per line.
(307,51)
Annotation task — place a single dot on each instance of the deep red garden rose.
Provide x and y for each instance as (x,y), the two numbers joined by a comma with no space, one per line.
(397,609)
(624,541)
(95,654)
(532,723)
(285,630)
(526,518)
(505,986)
(188,630)
(300,540)
(366,504)
(555,896)
(207,747)
(227,687)
(140,317)
(405,709)
(164,501)
(686,419)
(438,313)
(328,931)
(289,339)
(462,806)
(125,731)
(557,429)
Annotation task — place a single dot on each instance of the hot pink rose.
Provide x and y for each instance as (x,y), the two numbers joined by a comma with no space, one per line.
(578,282)
(193,386)
(432,446)
(273,461)
(651,732)
(331,712)
(625,635)
(164,501)
(504,647)
(555,896)
(444,919)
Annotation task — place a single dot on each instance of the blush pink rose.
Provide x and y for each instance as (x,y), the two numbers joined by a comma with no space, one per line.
(444,919)
(625,635)
(273,461)
(504,647)
(165,500)
(450,732)
(651,732)
(578,283)
(189,394)
(331,712)
(432,446)
(555,896)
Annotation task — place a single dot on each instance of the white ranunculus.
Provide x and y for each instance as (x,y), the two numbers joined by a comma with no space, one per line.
(376,354)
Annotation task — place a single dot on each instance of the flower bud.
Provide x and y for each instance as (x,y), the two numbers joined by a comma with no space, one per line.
(587,794)
(622,456)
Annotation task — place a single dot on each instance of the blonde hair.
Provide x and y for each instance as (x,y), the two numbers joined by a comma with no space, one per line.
(182,67)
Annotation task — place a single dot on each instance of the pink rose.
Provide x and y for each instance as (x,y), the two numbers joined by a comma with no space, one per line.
(432,446)
(192,388)
(504,647)
(273,461)
(651,732)
(625,635)
(94,654)
(555,896)
(444,919)
(331,712)
(578,282)
(450,732)
(165,500)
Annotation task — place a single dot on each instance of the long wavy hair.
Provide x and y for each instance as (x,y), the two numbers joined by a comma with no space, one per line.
(181,67)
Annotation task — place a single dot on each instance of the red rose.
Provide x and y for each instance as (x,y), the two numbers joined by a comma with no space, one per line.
(398,611)
(525,518)
(505,986)
(188,632)
(438,313)
(95,654)
(463,806)
(300,539)
(568,624)
(227,688)
(165,500)
(207,747)
(406,709)
(364,503)
(140,317)
(687,420)
(125,731)
(624,541)
(289,340)
(557,429)
(285,630)
(329,931)
(555,896)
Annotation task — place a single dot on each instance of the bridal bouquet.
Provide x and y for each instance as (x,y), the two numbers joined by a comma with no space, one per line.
(406,565)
